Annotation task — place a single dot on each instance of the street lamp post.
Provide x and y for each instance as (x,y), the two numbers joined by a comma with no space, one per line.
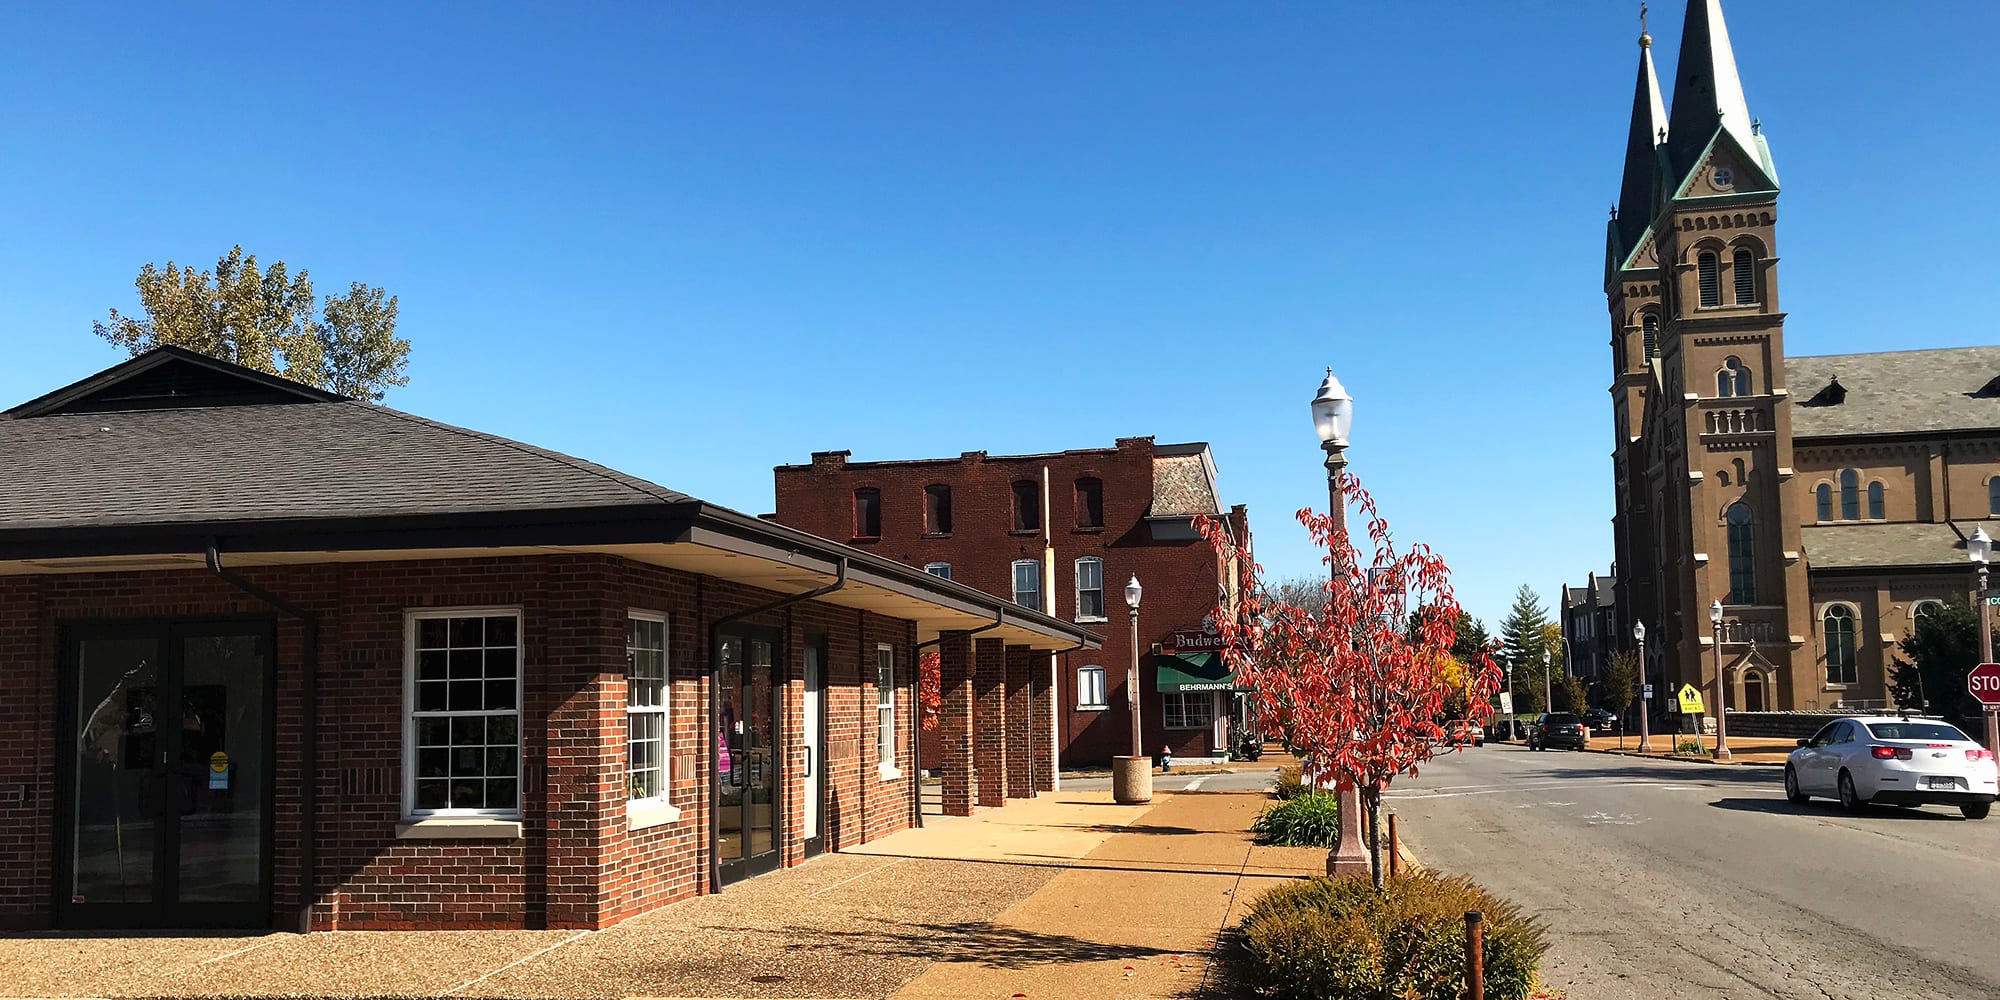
(1645,703)
(1510,702)
(1548,683)
(1721,705)
(1979,548)
(1333,414)
(1132,777)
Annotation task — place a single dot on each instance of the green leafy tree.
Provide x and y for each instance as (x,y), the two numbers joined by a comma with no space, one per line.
(1936,658)
(268,319)
(1619,683)
(1571,696)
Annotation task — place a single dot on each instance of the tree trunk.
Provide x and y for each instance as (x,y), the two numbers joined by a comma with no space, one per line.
(1373,797)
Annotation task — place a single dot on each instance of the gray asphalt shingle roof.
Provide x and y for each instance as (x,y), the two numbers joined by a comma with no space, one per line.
(1895,391)
(1869,546)
(282,461)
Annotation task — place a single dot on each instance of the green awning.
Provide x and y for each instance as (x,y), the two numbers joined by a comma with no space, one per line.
(1190,672)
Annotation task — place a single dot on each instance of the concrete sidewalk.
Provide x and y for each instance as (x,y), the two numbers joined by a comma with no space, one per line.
(1065,895)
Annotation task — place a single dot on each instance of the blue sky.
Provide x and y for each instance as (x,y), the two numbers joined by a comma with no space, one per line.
(695,241)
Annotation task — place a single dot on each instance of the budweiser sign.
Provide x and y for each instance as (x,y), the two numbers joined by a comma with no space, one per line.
(1206,639)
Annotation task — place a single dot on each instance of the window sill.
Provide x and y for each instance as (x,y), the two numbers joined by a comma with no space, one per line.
(1191,729)
(1092,619)
(936,534)
(1093,708)
(1087,529)
(888,773)
(645,813)
(858,539)
(459,828)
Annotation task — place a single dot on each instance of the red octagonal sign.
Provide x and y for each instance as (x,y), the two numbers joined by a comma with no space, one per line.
(1984,683)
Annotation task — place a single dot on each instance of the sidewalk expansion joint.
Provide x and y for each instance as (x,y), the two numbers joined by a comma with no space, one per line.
(476,980)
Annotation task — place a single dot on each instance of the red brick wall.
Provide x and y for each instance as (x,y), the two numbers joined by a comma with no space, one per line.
(1182,579)
(578,864)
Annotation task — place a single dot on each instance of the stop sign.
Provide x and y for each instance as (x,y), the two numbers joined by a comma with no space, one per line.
(1984,683)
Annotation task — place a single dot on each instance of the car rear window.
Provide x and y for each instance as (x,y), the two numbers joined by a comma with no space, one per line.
(1915,731)
(1563,719)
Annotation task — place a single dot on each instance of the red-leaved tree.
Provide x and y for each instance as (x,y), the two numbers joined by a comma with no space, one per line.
(930,689)
(1358,688)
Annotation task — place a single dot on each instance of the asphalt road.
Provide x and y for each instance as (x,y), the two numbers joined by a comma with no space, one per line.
(1663,879)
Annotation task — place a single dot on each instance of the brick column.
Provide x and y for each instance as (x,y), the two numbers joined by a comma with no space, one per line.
(1041,713)
(955,721)
(1020,752)
(989,720)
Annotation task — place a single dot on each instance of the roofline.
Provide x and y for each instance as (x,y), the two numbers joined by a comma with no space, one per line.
(58,398)
(1877,354)
(683,522)
(1159,451)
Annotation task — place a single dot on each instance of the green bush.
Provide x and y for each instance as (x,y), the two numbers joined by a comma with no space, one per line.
(1335,937)
(1691,747)
(1291,782)
(1306,820)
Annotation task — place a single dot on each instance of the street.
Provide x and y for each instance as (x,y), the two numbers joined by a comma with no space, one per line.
(1666,879)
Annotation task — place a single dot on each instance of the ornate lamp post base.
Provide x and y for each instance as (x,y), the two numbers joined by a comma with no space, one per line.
(1131,780)
(1349,855)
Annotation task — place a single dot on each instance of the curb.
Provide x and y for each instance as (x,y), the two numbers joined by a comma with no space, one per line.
(1684,759)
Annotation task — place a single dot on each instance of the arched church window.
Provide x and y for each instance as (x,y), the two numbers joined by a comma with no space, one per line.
(1922,610)
(1744,265)
(1823,502)
(1732,379)
(1993,496)
(1742,566)
(1651,324)
(1839,634)
(1875,501)
(1708,270)
(1850,495)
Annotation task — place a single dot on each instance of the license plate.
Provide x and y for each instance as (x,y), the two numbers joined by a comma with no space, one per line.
(1942,782)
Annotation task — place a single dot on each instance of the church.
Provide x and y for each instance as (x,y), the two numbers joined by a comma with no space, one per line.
(1824,501)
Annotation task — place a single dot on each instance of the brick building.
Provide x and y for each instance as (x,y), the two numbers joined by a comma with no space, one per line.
(278,658)
(1062,532)
(1823,501)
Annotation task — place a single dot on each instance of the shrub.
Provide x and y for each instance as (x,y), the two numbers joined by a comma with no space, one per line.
(1291,782)
(1335,937)
(1691,747)
(1306,820)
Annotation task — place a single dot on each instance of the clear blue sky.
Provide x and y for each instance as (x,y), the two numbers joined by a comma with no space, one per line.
(696,241)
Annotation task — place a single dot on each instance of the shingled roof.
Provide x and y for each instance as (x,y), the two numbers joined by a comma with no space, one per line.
(1882,546)
(96,459)
(1894,392)
(1183,481)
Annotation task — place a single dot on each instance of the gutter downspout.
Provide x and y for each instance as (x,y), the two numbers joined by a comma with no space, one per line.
(714,697)
(308,735)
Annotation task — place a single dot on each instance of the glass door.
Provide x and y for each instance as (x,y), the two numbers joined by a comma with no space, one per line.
(165,782)
(746,811)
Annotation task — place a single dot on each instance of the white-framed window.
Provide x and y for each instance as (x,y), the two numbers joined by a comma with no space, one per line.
(1090,687)
(645,706)
(462,718)
(1028,584)
(1090,589)
(941,570)
(885,710)
(1188,709)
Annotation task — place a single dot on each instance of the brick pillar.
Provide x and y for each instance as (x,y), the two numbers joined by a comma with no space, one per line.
(955,721)
(989,720)
(1020,753)
(1041,712)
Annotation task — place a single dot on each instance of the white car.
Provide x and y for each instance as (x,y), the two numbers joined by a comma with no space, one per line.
(1895,761)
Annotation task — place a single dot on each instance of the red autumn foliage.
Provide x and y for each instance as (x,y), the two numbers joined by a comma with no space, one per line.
(930,689)
(1356,685)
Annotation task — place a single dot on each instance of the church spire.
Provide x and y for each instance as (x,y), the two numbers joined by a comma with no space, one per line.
(1649,129)
(1708,95)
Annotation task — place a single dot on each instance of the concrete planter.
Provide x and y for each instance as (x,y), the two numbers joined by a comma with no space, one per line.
(1132,779)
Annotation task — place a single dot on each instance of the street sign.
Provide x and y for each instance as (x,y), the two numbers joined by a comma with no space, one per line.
(1993,600)
(1690,700)
(1646,691)
(1506,703)
(1984,683)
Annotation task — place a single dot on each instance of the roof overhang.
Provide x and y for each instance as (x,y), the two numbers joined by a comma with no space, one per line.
(691,537)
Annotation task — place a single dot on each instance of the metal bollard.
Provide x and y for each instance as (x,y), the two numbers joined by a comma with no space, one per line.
(1475,957)
(1395,854)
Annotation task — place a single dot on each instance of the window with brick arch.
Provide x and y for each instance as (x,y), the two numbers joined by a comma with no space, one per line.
(1651,325)
(1850,495)
(463,739)
(1875,506)
(1708,274)
(1823,502)
(1732,379)
(1841,666)
(1742,564)
(1027,505)
(937,509)
(867,512)
(1089,502)
(1744,266)
(645,706)
(1993,496)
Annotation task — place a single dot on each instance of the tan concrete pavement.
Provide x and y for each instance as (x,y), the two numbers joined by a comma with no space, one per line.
(1742,749)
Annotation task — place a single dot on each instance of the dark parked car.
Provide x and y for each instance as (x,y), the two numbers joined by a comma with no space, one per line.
(1556,729)
(1601,719)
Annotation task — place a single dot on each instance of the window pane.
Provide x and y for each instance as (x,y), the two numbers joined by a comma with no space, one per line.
(1823,500)
(1708,268)
(1850,495)
(1875,501)
(468,632)
(1745,267)
(431,664)
(431,633)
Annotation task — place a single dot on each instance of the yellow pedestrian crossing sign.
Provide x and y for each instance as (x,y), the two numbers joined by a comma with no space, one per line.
(1690,700)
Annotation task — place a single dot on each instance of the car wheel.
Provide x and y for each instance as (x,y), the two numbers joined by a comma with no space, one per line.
(1792,786)
(1974,810)
(1848,799)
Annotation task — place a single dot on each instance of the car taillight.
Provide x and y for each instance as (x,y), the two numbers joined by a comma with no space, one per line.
(1977,753)
(1889,753)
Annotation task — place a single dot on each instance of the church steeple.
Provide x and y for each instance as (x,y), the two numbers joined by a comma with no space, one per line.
(1708,95)
(1649,129)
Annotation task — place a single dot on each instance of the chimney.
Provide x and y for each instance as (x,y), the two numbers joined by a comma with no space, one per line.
(824,461)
